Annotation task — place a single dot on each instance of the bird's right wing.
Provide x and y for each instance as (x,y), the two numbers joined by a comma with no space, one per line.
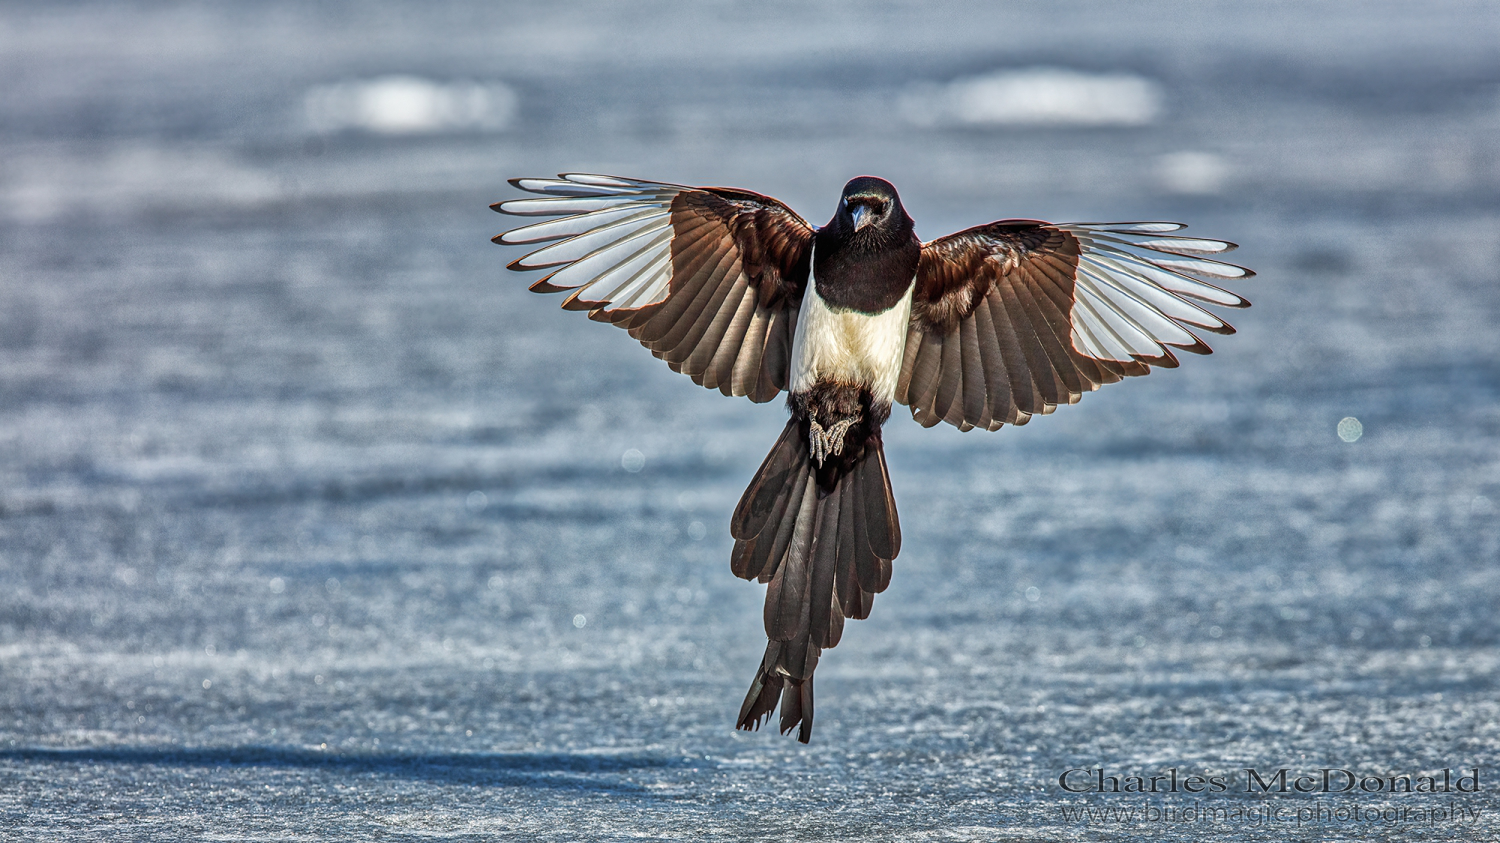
(1013,318)
(708,278)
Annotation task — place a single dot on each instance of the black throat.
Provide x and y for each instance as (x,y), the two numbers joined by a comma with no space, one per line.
(867,270)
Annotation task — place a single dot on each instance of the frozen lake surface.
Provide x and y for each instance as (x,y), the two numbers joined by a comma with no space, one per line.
(314,525)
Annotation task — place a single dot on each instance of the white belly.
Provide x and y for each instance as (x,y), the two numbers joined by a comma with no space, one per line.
(848,346)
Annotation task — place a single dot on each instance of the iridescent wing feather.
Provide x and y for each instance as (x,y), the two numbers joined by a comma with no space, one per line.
(709,279)
(1013,318)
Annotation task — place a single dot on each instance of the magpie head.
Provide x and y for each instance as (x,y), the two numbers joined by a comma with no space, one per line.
(867,255)
(870,207)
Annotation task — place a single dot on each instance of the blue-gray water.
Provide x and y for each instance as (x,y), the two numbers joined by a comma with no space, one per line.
(314,525)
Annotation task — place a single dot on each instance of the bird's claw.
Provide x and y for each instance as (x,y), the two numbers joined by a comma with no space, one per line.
(827,442)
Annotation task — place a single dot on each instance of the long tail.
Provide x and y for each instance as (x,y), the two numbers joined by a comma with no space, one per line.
(823,536)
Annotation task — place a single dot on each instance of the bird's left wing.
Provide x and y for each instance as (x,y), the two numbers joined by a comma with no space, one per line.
(708,278)
(1013,318)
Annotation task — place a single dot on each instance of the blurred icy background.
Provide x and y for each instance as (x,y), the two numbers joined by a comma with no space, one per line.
(314,524)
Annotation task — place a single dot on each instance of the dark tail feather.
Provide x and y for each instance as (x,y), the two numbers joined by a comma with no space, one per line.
(822,552)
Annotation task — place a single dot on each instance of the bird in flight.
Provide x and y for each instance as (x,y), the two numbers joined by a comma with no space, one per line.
(982,328)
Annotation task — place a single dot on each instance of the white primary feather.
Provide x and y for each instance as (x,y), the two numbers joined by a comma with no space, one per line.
(1159,260)
(1173,282)
(1103,314)
(611,242)
(558,229)
(1144,316)
(566,204)
(588,269)
(602,238)
(559,187)
(1182,244)
(1174,307)
(1132,227)
(1132,290)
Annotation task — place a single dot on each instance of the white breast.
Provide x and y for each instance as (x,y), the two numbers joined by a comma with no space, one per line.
(848,346)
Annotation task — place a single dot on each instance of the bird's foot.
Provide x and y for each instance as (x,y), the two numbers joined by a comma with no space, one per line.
(827,442)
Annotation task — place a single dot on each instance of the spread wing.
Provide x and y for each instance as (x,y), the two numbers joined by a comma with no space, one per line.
(1013,318)
(708,278)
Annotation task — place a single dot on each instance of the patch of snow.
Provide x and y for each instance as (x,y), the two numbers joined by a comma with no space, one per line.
(409,105)
(1037,96)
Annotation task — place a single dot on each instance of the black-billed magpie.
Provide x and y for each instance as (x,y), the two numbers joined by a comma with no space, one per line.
(982,328)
